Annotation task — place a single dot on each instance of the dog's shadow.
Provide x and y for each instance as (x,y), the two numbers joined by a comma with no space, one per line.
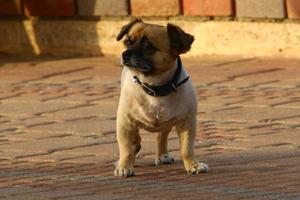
(256,163)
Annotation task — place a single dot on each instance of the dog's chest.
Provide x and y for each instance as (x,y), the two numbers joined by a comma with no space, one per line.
(155,113)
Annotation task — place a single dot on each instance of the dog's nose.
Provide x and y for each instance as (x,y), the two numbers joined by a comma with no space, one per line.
(125,55)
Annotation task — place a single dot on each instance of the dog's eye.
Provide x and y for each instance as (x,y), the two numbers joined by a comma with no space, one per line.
(128,42)
(148,46)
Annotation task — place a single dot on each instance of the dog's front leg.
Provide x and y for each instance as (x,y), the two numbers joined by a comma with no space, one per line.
(186,130)
(126,135)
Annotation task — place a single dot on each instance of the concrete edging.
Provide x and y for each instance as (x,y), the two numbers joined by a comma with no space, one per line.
(86,37)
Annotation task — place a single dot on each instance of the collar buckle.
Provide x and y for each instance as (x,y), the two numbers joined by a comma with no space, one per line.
(174,87)
(148,90)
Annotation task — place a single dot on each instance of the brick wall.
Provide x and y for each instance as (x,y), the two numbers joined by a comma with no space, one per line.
(270,9)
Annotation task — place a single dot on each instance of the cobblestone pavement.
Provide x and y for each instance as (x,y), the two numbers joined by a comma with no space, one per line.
(57,132)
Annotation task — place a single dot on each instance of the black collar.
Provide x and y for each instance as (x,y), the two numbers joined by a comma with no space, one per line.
(164,90)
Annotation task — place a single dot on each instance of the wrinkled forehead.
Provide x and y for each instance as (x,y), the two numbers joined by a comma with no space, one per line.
(156,34)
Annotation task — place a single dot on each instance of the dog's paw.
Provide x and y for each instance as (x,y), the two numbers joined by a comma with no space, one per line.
(197,168)
(124,171)
(164,159)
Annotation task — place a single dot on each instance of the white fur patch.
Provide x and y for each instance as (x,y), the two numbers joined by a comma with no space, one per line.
(124,172)
(199,168)
(164,159)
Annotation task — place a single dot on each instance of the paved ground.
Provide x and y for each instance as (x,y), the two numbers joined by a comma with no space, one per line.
(57,132)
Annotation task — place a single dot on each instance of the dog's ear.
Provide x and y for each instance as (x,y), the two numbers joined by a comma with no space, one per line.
(180,41)
(125,29)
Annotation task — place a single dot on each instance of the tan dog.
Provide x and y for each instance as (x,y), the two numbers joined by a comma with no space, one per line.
(156,95)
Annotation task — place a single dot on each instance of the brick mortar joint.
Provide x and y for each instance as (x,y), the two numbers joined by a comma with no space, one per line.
(171,18)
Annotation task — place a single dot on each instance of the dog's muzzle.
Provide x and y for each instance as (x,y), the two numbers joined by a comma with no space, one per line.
(134,60)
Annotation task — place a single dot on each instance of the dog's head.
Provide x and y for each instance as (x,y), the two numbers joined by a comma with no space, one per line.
(153,49)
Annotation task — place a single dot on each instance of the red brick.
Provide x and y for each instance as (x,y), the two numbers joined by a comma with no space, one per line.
(103,7)
(155,7)
(10,7)
(293,9)
(49,7)
(208,7)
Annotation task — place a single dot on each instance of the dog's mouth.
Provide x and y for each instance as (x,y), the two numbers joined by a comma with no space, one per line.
(136,62)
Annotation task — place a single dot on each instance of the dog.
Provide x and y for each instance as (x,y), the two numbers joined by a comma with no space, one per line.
(156,95)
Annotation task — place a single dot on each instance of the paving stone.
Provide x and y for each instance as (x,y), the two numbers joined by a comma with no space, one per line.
(10,7)
(29,149)
(155,7)
(49,7)
(260,8)
(103,8)
(208,7)
(33,108)
(293,9)
(252,114)
(83,127)
(103,111)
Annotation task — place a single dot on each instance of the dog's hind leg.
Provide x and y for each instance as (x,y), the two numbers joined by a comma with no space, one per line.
(162,154)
